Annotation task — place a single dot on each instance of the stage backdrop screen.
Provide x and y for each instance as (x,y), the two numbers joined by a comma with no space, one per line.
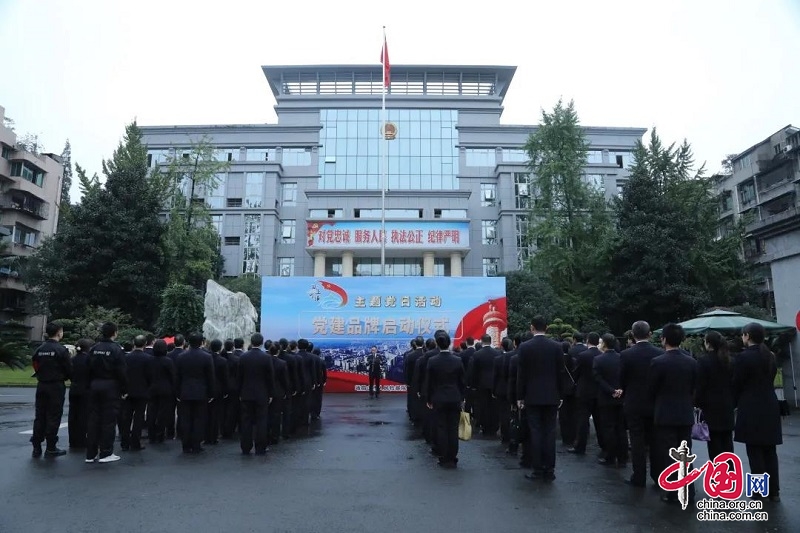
(345,317)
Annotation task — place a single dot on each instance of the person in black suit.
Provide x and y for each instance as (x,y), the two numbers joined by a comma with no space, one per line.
(296,387)
(282,393)
(173,427)
(714,394)
(53,367)
(758,420)
(194,385)
(444,390)
(161,394)
(420,375)
(539,390)
(230,419)
(309,372)
(415,412)
(566,414)
(672,384)
(78,417)
(257,390)
(322,378)
(606,371)
(466,354)
(500,388)
(139,370)
(586,394)
(375,371)
(480,377)
(406,373)
(216,409)
(637,403)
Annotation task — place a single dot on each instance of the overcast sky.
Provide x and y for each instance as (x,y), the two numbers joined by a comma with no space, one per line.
(724,74)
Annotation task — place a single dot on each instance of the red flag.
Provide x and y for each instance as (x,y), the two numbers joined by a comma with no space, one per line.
(385,63)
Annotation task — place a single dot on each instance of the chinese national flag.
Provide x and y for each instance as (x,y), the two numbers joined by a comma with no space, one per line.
(385,63)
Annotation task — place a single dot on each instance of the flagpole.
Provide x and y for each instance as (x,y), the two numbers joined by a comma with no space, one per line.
(383,154)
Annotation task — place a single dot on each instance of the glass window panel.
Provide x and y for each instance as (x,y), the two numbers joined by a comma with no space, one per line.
(403,147)
(374,115)
(435,147)
(373,165)
(436,114)
(425,115)
(405,165)
(363,115)
(447,146)
(425,130)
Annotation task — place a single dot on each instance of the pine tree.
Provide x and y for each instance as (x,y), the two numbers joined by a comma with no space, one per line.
(66,181)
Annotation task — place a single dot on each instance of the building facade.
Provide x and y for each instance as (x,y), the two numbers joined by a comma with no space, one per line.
(303,197)
(30,193)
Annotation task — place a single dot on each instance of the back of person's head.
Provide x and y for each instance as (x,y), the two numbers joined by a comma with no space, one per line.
(565,346)
(629,336)
(673,335)
(310,346)
(539,324)
(593,339)
(478,345)
(195,339)
(292,346)
(640,330)
(578,337)
(180,341)
(419,342)
(150,339)
(127,346)
(274,349)
(486,340)
(719,346)
(268,343)
(443,340)
(283,343)
(160,347)
(229,345)
(316,351)
(526,336)
(108,330)
(464,345)
(755,332)
(139,341)
(52,329)
(256,340)
(470,342)
(517,339)
(238,343)
(84,345)
(508,344)
(609,341)
(430,344)
(216,346)
(302,344)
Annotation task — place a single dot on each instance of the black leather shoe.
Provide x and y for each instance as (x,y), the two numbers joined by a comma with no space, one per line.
(549,476)
(54,452)
(37,452)
(533,476)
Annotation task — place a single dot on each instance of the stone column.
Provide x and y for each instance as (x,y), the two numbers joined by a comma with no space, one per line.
(455,264)
(347,264)
(427,264)
(319,264)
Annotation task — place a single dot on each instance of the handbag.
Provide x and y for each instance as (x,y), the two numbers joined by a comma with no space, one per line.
(700,428)
(464,426)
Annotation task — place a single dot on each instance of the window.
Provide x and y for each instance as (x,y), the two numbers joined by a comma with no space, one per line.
(620,188)
(215,198)
(25,236)
(6,152)
(481,157)
(216,222)
(261,154)
(524,243)
(224,155)
(489,231)
(254,189)
(333,266)
(726,201)
(371,266)
(325,213)
(747,192)
(491,266)
(522,190)
(27,172)
(594,157)
(296,157)
(286,266)
(450,213)
(252,244)
(596,182)
(231,241)
(289,194)
(288,228)
(390,213)
(515,155)
(441,267)
(234,202)
(488,194)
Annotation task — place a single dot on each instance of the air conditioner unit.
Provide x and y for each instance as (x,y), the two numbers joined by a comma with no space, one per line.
(488,194)
(788,148)
(522,189)
(287,232)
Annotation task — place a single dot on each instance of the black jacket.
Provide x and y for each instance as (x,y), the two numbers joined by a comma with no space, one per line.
(107,366)
(541,372)
(444,379)
(501,364)
(375,365)
(195,375)
(79,382)
(233,371)
(173,355)
(139,374)
(584,367)
(635,377)
(256,377)
(294,372)
(411,366)
(282,387)
(480,374)
(162,374)
(308,370)
(421,372)
(715,392)
(672,383)
(466,357)
(758,420)
(513,370)
(52,363)
(222,376)
(606,371)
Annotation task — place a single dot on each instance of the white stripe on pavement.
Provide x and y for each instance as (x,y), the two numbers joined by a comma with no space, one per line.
(30,431)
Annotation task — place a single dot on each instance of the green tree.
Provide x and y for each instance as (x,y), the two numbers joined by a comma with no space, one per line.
(66,181)
(528,295)
(14,348)
(87,324)
(569,218)
(560,331)
(182,310)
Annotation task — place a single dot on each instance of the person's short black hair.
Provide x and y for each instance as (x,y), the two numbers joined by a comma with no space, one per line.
(84,345)
(268,343)
(539,323)
(508,344)
(470,341)
(640,330)
(609,341)
(316,351)
(755,331)
(160,347)
(673,334)
(302,344)
(486,340)
(578,337)
(430,344)
(256,340)
(443,340)
(229,345)
(517,339)
(216,346)
(180,340)
(108,330)
(310,346)
(139,341)
(238,343)
(150,338)
(195,339)
(52,329)
(292,345)
(283,343)
(526,336)
(464,345)
(419,342)
(274,349)
(373,346)
(593,338)
(127,346)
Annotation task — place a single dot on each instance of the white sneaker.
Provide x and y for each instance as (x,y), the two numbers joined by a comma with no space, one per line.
(109,459)
(91,460)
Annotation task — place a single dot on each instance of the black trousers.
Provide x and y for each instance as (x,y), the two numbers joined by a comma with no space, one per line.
(78,418)
(287,420)
(214,417)
(231,421)
(566,420)
(192,417)
(173,423)
(316,402)
(486,412)
(542,423)
(447,417)
(255,420)
(104,407)
(133,412)
(643,448)
(524,438)
(667,437)
(275,415)
(764,460)
(612,422)
(162,416)
(469,401)
(376,382)
(299,411)
(429,427)
(584,409)
(720,442)
(503,409)
(49,410)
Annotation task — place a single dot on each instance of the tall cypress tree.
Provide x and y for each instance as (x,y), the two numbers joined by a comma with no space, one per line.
(66,181)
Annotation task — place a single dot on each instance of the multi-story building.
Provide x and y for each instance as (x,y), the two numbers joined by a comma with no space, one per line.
(303,197)
(30,192)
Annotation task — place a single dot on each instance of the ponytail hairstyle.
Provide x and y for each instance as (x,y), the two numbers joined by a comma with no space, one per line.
(719,347)
(84,345)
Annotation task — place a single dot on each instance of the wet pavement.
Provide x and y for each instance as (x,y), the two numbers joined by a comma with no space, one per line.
(361,468)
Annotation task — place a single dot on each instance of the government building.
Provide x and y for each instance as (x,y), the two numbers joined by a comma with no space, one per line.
(303,197)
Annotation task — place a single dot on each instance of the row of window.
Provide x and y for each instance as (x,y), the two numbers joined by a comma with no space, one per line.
(288,157)
(487,157)
(23,235)
(392,267)
(28,172)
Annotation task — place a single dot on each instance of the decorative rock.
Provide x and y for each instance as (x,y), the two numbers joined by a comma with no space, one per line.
(227,314)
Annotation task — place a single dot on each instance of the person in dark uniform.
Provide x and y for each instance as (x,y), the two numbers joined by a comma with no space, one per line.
(466,358)
(149,340)
(480,377)
(162,393)
(444,389)
(195,388)
(108,384)
(256,392)
(714,394)
(322,378)
(78,417)
(606,371)
(415,410)
(296,387)
(375,371)
(216,409)
(406,373)
(309,380)
(173,427)
(637,404)
(230,413)
(567,422)
(672,384)
(500,387)
(586,394)
(539,389)
(282,393)
(758,420)
(139,367)
(523,430)
(53,366)
(420,374)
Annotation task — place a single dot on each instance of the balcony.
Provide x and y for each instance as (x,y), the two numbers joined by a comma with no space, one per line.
(777,223)
(769,164)
(775,190)
(25,204)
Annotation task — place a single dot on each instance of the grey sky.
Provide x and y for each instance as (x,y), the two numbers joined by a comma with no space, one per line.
(722,73)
